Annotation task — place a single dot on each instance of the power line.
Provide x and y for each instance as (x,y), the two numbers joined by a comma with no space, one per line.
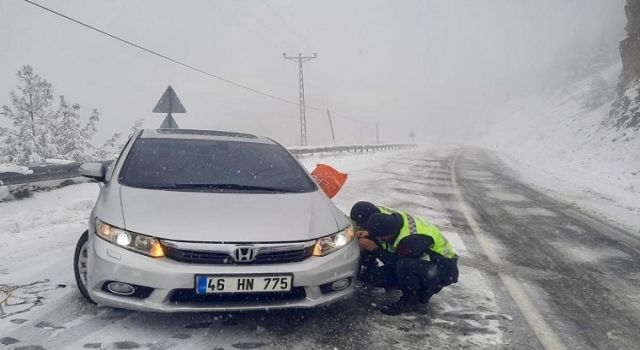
(185,65)
(286,24)
(140,47)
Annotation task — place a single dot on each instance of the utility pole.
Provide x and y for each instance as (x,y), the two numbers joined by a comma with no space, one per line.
(333,136)
(303,118)
(377,134)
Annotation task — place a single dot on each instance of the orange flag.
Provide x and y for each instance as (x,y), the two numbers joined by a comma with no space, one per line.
(329,179)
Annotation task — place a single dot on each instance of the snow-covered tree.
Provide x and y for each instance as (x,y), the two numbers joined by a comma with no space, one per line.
(137,125)
(110,148)
(5,145)
(113,146)
(40,130)
(72,136)
(30,140)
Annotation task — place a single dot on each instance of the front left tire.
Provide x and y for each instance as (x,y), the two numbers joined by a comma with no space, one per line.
(80,269)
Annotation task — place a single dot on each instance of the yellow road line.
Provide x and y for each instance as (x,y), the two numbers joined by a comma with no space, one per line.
(541,328)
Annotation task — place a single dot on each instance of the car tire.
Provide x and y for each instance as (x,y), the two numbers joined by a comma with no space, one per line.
(80,265)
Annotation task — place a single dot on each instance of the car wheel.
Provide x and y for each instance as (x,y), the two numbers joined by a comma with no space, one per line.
(80,264)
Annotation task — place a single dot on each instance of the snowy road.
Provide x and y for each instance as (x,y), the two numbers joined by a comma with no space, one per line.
(578,272)
(581,271)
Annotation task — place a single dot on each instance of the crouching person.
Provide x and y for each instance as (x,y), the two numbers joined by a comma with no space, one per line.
(417,258)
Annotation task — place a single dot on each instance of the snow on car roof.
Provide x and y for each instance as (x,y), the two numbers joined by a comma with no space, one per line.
(203,135)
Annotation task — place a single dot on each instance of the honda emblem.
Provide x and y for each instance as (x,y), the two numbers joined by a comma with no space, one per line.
(244,254)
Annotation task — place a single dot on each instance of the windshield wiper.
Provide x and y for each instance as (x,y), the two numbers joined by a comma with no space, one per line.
(226,186)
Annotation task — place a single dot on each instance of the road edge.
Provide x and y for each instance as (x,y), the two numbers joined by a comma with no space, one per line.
(543,331)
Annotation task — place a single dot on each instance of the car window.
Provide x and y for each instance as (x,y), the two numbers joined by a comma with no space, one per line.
(213,165)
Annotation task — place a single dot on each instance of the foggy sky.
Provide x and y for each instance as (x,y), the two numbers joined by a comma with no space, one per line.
(426,66)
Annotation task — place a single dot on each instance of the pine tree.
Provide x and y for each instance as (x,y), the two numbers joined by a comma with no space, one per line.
(41,131)
(30,140)
(6,143)
(137,125)
(72,137)
(110,149)
(114,145)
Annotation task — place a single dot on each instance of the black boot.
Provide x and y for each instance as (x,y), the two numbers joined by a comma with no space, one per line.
(425,296)
(402,306)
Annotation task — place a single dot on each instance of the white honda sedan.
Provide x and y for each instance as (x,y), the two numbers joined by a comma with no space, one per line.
(196,220)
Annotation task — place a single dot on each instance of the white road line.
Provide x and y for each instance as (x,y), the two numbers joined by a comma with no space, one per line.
(541,328)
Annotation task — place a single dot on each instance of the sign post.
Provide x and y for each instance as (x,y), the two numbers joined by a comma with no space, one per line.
(169,103)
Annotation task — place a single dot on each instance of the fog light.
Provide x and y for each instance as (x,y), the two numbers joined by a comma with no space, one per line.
(341,284)
(120,288)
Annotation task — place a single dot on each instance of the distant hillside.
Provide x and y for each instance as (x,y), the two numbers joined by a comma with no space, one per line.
(625,113)
(588,131)
(566,136)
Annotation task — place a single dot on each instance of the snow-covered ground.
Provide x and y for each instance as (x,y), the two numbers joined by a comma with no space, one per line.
(56,161)
(12,168)
(38,235)
(559,143)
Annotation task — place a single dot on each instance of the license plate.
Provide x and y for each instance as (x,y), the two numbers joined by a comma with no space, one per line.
(243,284)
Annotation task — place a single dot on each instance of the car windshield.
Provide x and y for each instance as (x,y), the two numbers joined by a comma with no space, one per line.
(213,165)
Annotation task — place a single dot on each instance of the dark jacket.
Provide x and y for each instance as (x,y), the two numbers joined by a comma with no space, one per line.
(415,246)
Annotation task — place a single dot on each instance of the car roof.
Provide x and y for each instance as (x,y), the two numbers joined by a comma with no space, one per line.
(196,134)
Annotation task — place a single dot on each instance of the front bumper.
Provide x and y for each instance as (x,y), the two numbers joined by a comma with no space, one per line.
(167,277)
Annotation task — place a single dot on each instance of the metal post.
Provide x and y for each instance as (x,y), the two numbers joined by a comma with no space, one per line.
(303,114)
(333,136)
(303,118)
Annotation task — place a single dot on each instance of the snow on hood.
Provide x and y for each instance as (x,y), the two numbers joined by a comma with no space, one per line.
(228,217)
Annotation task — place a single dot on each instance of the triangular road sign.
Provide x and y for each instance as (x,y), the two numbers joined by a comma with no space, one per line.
(169,103)
(169,123)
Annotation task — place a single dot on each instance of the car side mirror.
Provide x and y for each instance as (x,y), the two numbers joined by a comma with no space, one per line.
(96,171)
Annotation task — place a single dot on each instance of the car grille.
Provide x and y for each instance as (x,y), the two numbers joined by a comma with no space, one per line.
(215,258)
(190,296)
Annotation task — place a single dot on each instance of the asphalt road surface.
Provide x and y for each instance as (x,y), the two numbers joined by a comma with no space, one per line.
(580,272)
(536,272)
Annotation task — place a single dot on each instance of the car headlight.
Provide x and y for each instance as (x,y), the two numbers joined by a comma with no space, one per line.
(136,242)
(330,244)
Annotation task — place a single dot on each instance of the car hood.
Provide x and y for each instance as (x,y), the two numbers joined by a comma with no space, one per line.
(228,217)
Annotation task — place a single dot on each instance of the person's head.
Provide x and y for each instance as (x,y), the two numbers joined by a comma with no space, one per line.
(362,211)
(384,227)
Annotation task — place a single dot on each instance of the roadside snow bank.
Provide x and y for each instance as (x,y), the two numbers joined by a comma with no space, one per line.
(55,161)
(561,143)
(21,191)
(12,168)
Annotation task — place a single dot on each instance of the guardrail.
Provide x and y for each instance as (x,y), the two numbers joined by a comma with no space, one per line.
(346,149)
(67,171)
(41,173)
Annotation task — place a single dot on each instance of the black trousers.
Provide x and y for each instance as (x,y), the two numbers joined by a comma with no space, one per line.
(413,276)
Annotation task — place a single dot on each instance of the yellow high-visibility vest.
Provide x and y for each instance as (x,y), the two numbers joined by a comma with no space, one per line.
(413,225)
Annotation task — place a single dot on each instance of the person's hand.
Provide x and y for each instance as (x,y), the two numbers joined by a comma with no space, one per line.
(362,234)
(367,244)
